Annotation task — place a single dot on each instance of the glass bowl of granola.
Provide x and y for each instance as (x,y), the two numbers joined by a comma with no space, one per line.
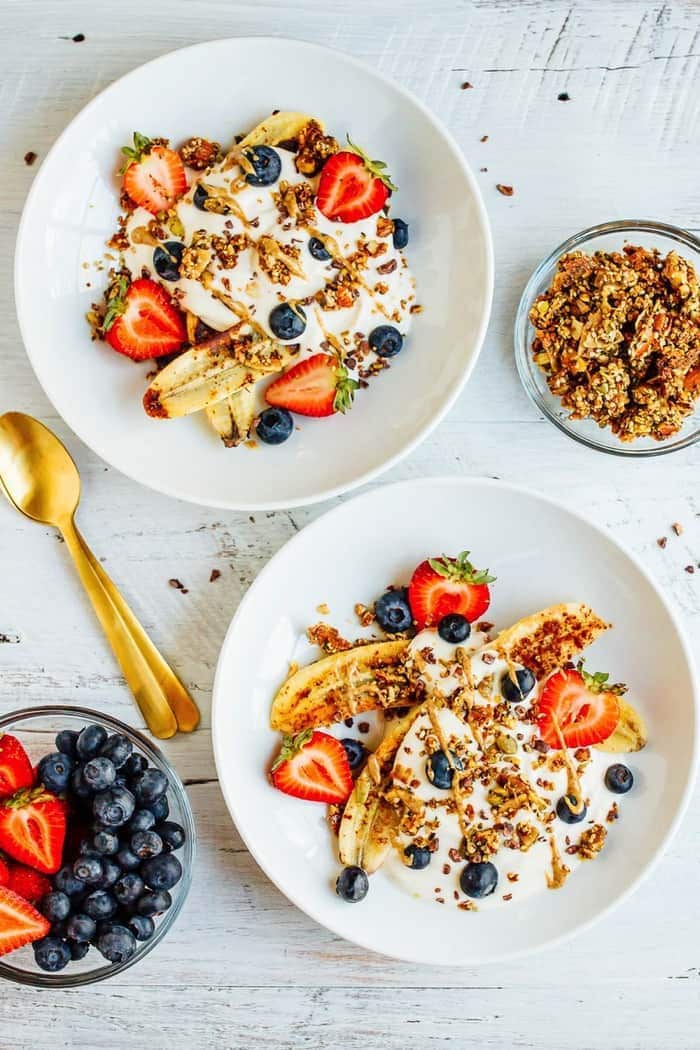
(607,337)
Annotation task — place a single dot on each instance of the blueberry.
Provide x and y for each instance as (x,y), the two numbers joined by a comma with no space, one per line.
(142,927)
(356,752)
(392,611)
(287,323)
(114,807)
(99,773)
(55,906)
(571,810)
(99,905)
(352,884)
(385,340)
(87,849)
(142,820)
(160,808)
(318,249)
(88,869)
(66,881)
(149,786)
(117,945)
(274,426)
(619,779)
(163,872)
(136,765)
(146,844)
(129,888)
(78,949)
(400,237)
(110,873)
(117,749)
(172,835)
(154,903)
(418,856)
(167,259)
(127,860)
(454,628)
(58,929)
(200,198)
(106,842)
(438,769)
(78,785)
(81,927)
(51,954)
(66,741)
(55,770)
(479,880)
(105,926)
(266,165)
(90,740)
(516,693)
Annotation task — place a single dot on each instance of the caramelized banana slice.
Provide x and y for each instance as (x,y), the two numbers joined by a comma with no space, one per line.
(233,417)
(546,640)
(630,733)
(343,684)
(279,127)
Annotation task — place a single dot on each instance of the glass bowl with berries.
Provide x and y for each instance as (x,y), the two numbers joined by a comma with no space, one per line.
(97,844)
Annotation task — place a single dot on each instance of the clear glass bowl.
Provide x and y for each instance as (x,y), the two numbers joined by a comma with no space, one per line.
(608,236)
(36,728)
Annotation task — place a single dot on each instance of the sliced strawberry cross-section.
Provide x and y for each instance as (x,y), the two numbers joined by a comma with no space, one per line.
(577,709)
(440,586)
(313,766)
(154,176)
(141,321)
(33,829)
(318,386)
(15,768)
(20,923)
(352,186)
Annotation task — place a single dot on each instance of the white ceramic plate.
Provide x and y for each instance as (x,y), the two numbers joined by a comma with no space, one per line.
(215,89)
(541,553)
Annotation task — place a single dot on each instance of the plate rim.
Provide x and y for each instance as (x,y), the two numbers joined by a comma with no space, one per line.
(174,491)
(467,481)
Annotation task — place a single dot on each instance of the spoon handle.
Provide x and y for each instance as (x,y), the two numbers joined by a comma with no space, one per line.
(147,691)
(183,706)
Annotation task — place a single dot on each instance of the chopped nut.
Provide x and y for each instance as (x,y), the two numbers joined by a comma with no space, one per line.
(507,191)
(214,576)
(662,541)
(29,157)
(677,528)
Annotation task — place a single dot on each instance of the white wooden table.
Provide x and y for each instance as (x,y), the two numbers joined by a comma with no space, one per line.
(242,967)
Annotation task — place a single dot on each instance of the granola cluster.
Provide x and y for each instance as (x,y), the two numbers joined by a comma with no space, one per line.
(618,337)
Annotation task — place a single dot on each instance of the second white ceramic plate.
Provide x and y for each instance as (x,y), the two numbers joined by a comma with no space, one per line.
(217,90)
(541,553)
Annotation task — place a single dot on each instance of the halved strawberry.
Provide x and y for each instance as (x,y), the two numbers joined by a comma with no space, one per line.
(154,176)
(20,923)
(318,386)
(313,766)
(15,768)
(33,829)
(27,883)
(448,585)
(352,186)
(141,321)
(580,705)
(4,873)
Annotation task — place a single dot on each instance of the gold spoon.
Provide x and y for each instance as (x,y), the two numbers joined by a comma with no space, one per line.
(42,481)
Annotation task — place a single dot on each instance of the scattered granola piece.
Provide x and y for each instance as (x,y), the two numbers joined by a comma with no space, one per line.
(466,85)
(215,574)
(484,138)
(564,96)
(662,541)
(322,609)
(29,157)
(507,191)
(677,528)
(690,569)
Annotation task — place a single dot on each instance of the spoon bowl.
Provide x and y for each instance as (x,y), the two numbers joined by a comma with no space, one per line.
(36,470)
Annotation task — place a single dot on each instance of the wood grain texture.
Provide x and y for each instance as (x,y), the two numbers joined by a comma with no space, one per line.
(243,967)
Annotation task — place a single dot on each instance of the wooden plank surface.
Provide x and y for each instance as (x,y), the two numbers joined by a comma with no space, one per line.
(242,966)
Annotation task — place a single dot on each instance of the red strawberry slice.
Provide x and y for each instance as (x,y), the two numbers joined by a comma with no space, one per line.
(27,883)
(154,176)
(440,586)
(580,705)
(20,923)
(352,186)
(313,766)
(4,873)
(141,321)
(318,386)
(16,770)
(33,829)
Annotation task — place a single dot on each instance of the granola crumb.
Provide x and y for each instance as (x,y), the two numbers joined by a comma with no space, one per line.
(29,157)
(677,528)
(215,574)
(484,138)
(465,85)
(564,96)
(690,569)
(662,541)
(363,727)
(322,609)
(507,191)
